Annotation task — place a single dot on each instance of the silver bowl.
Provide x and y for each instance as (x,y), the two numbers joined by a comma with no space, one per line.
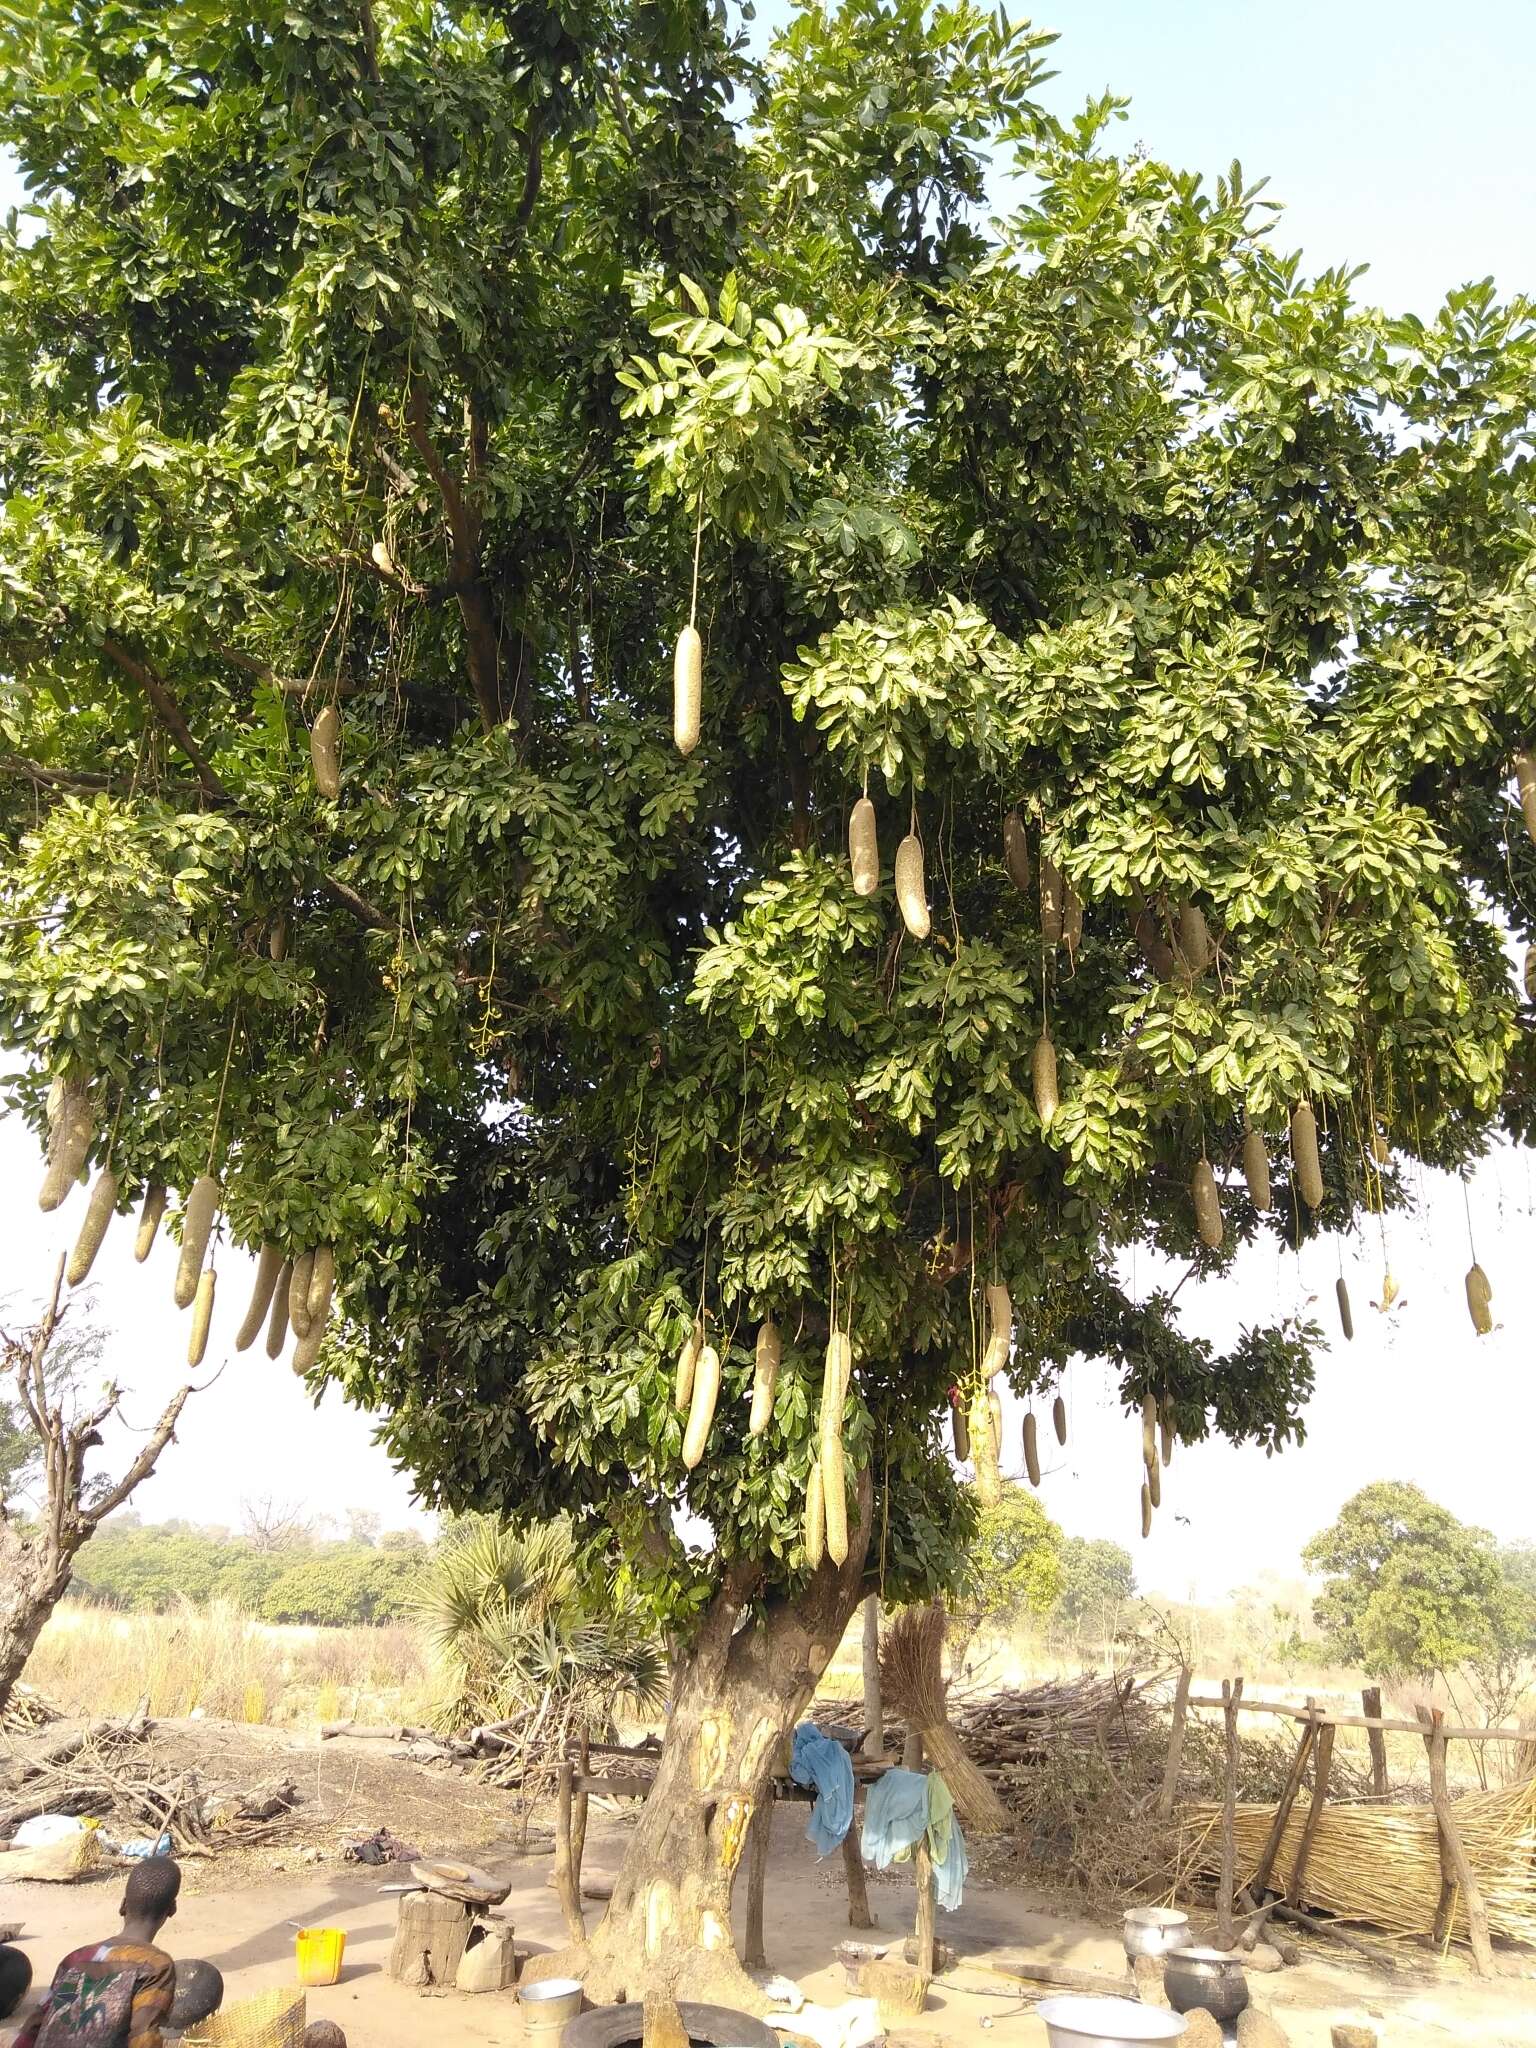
(1105,2022)
(1153,1930)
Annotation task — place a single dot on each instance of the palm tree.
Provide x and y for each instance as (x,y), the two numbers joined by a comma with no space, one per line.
(521,1632)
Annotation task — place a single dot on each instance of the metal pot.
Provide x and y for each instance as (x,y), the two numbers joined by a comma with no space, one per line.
(1105,2023)
(1207,1978)
(1154,1930)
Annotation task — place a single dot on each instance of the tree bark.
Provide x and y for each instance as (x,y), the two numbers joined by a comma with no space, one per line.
(740,1688)
(31,1586)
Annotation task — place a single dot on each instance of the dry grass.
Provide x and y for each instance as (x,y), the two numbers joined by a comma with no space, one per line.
(91,1660)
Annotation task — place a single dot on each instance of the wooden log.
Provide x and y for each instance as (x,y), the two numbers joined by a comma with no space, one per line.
(566,1886)
(912,1752)
(1322,1765)
(1226,1918)
(372,1732)
(874,1710)
(579,1814)
(1368,1721)
(922,1933)
(1266,1862)
(612,1788)
(1455,1865)
(759,1841)
(430,1938)
(1370,1701)
(859,1914)
(1175,1761)
(1064,1976)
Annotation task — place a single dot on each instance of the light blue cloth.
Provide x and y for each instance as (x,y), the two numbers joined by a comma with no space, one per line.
(816,1759)
(896,1813)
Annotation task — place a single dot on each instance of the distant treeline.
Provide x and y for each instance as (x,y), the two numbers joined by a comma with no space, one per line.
(155,1568)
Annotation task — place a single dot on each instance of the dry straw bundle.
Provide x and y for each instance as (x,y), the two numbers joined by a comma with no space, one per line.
(912,1682)
(1380,1865)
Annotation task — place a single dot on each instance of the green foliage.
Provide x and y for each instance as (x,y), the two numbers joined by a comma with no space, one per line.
(516,1622)
(390,356)
(343,1584)
(157,1568)
(1016,1562)
(1411,1591)
(1098,1582)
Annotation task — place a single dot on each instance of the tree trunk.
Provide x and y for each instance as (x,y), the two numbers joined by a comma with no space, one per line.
(739,1691)
(32,1583)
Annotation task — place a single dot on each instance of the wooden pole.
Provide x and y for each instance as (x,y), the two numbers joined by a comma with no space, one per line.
(566,1884)
(922,1864)
(1171,1769)
(1455,1865)
(579,1812)
(759,1841)
(1266,1862)
(1370,1701)
(859,1914)
(874,1710)
(1322,1766)
(1226,1919)
(912,1752)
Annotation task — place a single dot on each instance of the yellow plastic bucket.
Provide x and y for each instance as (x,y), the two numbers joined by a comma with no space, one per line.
(320,1950)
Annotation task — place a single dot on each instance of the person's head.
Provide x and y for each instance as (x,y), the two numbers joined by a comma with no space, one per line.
(149,1898)
(324,2034)
(15,1976)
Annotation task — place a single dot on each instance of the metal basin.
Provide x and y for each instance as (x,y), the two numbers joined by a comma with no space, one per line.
(1105,2023)
(1154,1930)
(552,2001)
(1206,1978)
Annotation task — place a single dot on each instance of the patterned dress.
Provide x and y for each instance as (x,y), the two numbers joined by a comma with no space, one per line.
(111,1994)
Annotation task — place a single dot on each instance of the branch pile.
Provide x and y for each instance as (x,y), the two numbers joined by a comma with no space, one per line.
(105,1771)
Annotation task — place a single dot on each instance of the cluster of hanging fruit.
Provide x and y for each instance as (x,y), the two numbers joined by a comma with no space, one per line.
(696,1393)
(296,1291)
(1156,1453)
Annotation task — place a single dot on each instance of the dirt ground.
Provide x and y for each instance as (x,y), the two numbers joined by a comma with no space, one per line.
(239,1910)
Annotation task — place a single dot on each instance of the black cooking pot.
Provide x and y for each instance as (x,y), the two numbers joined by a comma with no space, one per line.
(1205,1978)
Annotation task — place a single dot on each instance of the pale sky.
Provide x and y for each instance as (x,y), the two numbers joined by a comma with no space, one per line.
(1397,133)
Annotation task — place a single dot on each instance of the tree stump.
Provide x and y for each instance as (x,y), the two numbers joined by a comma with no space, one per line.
(430,1938)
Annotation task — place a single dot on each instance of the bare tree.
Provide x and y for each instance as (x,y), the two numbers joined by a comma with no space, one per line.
(270,1524)
(37,1553)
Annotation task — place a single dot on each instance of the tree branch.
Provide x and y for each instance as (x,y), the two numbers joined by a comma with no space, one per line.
(344,894)
(370,42)
(168,711)
(463,519)
(533,175)
(142,1465)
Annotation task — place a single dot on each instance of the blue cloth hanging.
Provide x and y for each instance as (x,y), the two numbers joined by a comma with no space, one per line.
(815,1759)
(900,1807)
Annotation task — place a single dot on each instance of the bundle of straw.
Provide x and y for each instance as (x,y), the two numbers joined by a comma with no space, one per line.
(1380,1865)
(912,1681)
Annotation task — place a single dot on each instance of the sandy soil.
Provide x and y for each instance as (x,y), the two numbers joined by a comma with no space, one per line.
(237,1912)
